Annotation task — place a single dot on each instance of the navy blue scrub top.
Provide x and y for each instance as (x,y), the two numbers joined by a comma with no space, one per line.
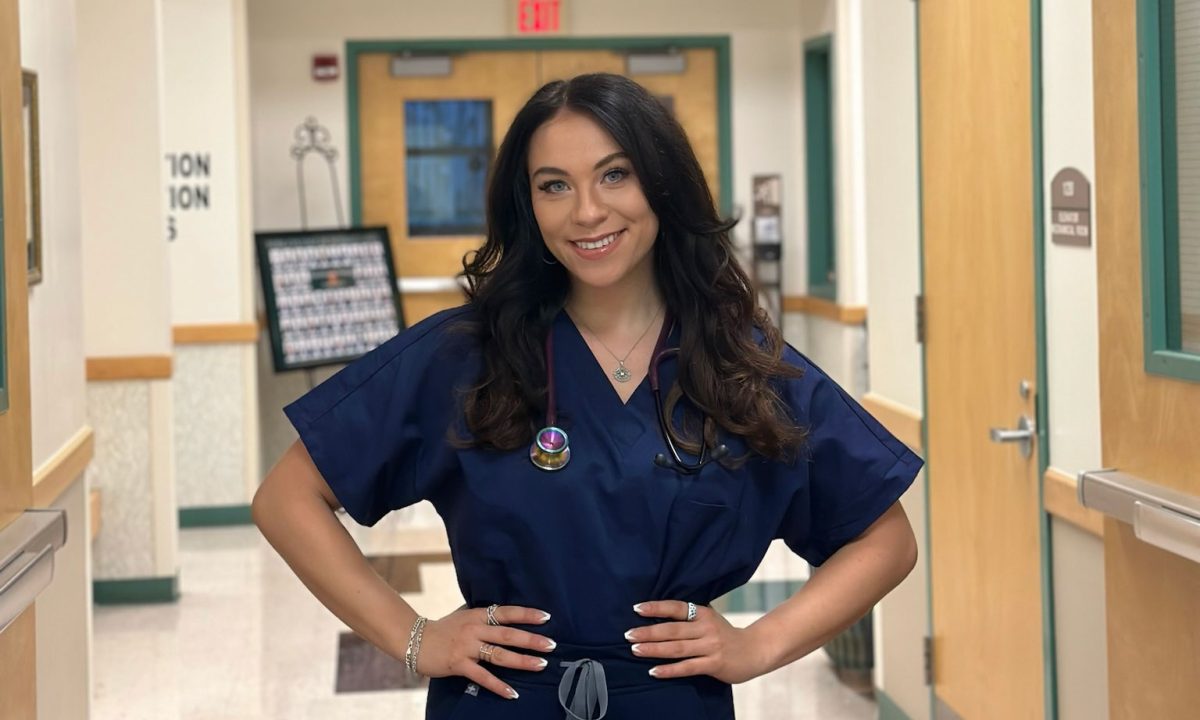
(609,530)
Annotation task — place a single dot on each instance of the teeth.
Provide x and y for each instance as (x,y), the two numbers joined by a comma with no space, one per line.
(603,242)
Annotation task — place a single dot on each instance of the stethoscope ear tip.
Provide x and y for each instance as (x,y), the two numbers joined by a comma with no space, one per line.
(662,461)
(720,451)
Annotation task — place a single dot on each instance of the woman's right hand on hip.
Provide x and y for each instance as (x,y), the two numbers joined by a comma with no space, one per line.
(463,643)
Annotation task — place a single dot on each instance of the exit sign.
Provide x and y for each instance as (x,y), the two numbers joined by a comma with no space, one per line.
(539,17)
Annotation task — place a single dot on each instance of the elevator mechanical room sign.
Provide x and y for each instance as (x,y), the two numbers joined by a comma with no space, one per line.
(1071,209)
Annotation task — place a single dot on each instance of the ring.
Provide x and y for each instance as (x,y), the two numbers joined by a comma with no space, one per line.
(691,612)
(491,615)
(485,651)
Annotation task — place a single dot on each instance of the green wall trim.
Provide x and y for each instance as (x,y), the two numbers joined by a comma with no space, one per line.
(215,516)
(1160,193)
(888,709)
(821,192)
(1042,396)
(136,591)
(719,43)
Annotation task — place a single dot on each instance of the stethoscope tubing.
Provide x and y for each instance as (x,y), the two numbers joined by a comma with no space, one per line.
(547,458)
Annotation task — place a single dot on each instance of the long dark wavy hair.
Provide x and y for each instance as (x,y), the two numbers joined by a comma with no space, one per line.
(728,376)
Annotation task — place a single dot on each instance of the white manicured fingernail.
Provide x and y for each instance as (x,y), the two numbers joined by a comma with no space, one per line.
(637,648)
(629,635)
(550,644)
(512,694)
(545,616)
(654,672)
(542,663)
(638,608)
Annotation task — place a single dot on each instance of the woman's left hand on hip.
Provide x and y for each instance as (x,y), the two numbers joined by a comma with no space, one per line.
(706,645)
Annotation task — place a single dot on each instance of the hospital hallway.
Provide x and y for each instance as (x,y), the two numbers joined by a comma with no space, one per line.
(246,641)
(906,292)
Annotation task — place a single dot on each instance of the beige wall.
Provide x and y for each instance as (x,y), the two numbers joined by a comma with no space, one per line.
(126,289)
(64,619)
(891,229)
(206,114)
(1072,360)
(200,115)
(57,388)
(56,351)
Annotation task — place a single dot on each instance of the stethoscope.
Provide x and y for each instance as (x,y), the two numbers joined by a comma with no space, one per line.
(551,448)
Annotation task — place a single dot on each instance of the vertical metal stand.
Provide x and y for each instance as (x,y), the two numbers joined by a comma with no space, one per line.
(312,137)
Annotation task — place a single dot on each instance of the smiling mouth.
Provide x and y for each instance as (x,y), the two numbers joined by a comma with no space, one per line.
(602,242)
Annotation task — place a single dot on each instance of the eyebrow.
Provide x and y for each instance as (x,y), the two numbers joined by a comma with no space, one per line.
(603,161)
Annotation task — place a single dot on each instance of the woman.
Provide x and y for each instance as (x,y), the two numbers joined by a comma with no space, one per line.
(613,433)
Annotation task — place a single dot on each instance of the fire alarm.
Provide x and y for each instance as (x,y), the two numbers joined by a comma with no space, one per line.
(325,68)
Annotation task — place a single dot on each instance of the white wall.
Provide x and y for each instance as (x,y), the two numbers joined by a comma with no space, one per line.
(57,387)
(64,619)
(59,406)
(200,117)
(891,196)
(889,222)
(205,117)
(126,289)
(1072,360)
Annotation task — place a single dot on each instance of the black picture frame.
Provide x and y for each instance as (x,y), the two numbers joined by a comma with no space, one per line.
(315,304)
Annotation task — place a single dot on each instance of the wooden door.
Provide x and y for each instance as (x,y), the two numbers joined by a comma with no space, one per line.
(506,79)
(1148,423)
(978,190)
(18,683)
(692,94)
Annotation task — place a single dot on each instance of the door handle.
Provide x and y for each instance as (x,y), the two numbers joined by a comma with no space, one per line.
(1023,434)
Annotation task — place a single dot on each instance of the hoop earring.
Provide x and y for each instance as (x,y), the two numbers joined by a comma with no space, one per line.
(551,261)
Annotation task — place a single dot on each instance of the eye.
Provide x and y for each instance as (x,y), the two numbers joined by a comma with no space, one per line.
(553,186)
(616,175)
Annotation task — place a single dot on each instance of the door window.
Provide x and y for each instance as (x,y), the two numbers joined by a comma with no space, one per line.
(449,147)
(1169,35)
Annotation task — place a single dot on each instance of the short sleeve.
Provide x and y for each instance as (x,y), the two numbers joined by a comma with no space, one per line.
(855,468)
(377,430)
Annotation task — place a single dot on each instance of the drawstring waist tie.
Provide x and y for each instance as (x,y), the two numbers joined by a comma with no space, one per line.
(584,676)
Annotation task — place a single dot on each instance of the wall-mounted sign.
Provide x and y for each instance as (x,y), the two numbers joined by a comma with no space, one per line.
(539,17)
(1071,209)
(188,187)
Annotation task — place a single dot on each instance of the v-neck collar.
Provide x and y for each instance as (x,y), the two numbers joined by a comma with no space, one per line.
(596,372)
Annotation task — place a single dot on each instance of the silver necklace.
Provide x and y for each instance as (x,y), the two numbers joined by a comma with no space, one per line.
(621,373)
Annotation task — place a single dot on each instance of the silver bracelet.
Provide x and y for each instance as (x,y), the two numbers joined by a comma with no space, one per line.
(414,644)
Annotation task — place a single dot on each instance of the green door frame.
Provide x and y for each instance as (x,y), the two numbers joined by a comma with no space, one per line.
(719,43)
(1049,651)
(818,155)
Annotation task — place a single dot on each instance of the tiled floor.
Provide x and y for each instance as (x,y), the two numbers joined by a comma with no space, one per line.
(247,642)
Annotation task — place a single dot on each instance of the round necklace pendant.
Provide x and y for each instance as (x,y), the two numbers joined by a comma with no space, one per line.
(622,374)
